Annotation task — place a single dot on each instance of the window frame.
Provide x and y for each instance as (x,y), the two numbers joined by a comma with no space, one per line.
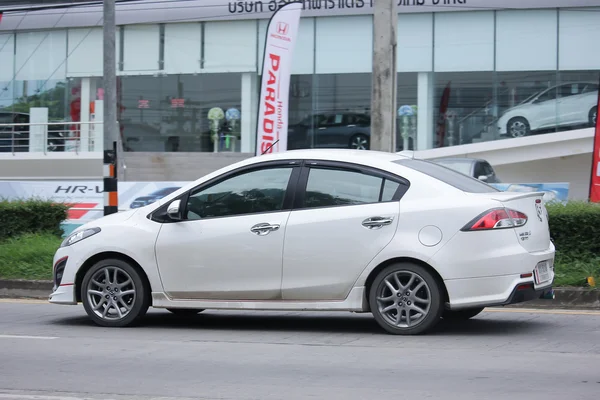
(302,184)
(159,215)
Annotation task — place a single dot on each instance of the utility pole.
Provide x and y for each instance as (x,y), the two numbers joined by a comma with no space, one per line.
(383,96)
(111,198)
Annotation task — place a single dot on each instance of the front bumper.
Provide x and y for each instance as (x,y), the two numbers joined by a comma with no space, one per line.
(63,295)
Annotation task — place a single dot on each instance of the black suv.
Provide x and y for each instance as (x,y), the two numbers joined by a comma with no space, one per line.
(16,138)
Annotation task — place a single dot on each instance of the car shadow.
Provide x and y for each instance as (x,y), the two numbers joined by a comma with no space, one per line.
(213,320)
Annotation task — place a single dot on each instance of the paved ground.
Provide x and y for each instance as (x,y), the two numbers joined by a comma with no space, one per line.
(49,352)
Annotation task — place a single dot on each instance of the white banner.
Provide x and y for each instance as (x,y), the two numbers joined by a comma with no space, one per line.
(282,34)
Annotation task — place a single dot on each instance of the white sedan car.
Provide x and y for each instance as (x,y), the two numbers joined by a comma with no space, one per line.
(318,230)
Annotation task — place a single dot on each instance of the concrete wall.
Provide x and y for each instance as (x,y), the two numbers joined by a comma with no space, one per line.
(176,166)
(573,169)
(51,167)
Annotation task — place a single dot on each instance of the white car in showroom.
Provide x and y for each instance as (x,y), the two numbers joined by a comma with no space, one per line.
(317,230)
(570,104)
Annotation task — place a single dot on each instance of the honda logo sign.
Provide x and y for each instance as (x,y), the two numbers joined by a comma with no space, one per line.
(283,28)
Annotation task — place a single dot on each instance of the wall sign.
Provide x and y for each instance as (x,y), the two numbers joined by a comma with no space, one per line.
(151,11)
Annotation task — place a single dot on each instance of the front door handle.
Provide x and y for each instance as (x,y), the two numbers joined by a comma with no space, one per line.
(264,228)
(377,222)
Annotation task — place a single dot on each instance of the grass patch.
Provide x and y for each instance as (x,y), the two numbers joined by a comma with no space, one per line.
(28,256)
(573,272)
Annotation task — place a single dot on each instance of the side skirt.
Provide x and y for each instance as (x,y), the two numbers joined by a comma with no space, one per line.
(355,302)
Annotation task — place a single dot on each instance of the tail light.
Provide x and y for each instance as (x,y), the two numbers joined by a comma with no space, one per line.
(497,218)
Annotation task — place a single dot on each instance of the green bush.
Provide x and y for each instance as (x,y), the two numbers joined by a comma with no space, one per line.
(575,230)
(31,216)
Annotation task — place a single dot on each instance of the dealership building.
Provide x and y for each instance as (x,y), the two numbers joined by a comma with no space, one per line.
(513,81)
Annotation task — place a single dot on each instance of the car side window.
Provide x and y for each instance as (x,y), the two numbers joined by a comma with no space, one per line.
(479,170)
(327,187)
(253,192)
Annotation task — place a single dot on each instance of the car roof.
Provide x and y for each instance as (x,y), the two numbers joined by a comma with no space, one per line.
(367,157)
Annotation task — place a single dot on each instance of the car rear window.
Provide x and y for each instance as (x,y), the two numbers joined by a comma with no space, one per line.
(448,176)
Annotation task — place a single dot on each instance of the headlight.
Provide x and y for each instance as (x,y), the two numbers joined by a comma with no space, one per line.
(79,236)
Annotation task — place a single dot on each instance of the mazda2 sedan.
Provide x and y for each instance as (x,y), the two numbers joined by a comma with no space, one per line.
(407,240)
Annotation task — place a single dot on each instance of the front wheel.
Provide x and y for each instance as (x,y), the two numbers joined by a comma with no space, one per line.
(359,142)
(461,315)
(114,294)
(518,127)
(406,299)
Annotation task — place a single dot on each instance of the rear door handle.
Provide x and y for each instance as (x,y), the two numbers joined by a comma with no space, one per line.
(377,222)
(264,228)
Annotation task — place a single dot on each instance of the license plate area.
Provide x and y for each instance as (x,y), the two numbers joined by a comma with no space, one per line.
(542,272)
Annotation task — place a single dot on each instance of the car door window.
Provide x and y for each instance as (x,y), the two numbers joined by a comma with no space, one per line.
(337,187)
(248,193)
(479,170)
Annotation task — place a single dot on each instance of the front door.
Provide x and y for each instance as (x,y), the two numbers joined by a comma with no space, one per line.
(342,220)
(229,244)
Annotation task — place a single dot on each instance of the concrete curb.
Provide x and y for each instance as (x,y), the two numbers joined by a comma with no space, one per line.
(567,298)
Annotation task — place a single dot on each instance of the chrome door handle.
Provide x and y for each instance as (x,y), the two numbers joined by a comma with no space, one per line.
(264,228)
(377,222)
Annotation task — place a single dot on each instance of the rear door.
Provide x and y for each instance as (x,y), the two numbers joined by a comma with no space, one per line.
(343,217)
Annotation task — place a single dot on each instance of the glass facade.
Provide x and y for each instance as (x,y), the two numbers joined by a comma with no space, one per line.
(463,77)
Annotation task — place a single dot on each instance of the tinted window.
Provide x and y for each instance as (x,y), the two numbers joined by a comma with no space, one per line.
(389,190)
(253,192)
(448,176)
(457,165)
(336,187)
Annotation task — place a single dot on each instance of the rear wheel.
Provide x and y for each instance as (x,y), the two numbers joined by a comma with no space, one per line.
(114,294)
(461,315)
(406,299)
(185,311)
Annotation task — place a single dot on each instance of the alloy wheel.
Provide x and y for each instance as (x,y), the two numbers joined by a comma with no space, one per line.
(111,293)
(404,299)
(359,142)
(518,129)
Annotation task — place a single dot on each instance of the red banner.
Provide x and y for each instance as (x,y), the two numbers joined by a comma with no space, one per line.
(595,182)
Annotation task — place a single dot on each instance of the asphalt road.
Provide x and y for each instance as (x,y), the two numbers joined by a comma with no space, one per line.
(50,352)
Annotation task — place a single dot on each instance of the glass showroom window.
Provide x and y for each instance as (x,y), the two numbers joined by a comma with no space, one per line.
(182,113)
(577,94)
(408,112)
(527,103)
(463,108)
(338,115)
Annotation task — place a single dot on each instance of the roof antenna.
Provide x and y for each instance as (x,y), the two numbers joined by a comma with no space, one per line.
(270,147)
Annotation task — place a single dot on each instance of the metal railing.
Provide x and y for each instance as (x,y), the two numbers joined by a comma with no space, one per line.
(51,137)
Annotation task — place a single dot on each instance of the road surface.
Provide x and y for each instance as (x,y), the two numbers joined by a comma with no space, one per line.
(53,352)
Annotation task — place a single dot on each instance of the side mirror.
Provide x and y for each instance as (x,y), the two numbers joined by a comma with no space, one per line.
(173,211)
(483,178)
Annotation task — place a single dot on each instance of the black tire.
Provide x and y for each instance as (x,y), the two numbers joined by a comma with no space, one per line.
(185,311)
(433,313)
(519,122)
(461,315)
(359,138)
(593,116)
(139,302)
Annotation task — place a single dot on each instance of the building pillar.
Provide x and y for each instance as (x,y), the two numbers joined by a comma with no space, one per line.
(249,111)
(425,98)
(84,117)
(38,134)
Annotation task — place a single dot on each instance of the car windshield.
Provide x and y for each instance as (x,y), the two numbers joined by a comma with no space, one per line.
(447,175)
(463,167)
